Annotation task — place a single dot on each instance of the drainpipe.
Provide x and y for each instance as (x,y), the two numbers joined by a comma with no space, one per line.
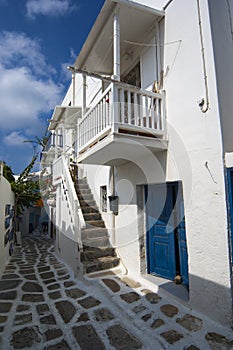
(204,104)
(116,46)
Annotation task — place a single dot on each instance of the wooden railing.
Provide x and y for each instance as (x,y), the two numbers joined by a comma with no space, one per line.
(120,107)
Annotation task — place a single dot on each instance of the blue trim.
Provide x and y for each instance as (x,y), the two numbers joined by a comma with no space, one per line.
(147,232)
(229,196)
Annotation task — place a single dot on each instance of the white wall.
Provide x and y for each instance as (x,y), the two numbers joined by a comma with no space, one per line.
(6,197)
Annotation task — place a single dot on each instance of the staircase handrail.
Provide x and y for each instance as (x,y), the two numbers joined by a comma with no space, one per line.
(73,202)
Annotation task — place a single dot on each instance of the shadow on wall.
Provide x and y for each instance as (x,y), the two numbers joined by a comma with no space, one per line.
(212,299)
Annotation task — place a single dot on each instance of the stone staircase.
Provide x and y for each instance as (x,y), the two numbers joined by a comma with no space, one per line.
(97,254)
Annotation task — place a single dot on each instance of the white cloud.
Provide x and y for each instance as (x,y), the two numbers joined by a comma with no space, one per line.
(48,7)
(26,86)
(18,50)
(23,98)
(15,138)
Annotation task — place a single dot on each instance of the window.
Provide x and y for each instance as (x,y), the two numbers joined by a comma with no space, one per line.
(134,76)
(103,199)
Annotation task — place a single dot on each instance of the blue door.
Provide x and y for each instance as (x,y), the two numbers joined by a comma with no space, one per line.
(166,237)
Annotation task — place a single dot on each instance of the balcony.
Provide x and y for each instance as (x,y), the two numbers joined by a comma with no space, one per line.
(125,123)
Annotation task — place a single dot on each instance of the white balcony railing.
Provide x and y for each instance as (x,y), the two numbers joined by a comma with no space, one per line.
(122,108)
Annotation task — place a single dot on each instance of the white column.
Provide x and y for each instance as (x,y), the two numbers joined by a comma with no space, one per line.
(116,46)
(73,86)
(158,52)
(64,139)
(84,94)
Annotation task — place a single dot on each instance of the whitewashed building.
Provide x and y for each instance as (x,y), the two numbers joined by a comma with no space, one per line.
(7,199)
(148,121)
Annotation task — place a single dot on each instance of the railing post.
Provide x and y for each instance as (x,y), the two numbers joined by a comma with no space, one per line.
(147,111)
(115,108)
(153,118)
(140,110)
(129,109)
(122,104)
(164,113)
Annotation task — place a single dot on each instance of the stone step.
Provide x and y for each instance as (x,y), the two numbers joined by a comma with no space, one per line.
(92,216)
(80,186)
(90,253)
(94,232)
(96,242)
(87,203)
(81,181)
(83,191)
(85,197)
(95,223)
(93,209)
(100,264)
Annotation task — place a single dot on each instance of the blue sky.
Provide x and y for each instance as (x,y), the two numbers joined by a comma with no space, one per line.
(38,40)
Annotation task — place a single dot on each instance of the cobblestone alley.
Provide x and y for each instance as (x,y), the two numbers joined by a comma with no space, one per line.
(42,306)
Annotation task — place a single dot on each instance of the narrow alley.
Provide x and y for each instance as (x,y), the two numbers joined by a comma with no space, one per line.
(42,306)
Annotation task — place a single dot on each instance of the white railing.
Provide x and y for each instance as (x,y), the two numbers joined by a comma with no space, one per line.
(122,107)
(61,174)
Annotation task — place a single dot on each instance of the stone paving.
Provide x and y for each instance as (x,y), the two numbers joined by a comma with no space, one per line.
(42,306)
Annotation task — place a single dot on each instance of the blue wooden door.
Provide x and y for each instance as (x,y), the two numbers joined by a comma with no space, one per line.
(160,231)
(166,235)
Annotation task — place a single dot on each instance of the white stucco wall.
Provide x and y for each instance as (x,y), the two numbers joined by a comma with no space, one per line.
(203,177)
(6,197)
